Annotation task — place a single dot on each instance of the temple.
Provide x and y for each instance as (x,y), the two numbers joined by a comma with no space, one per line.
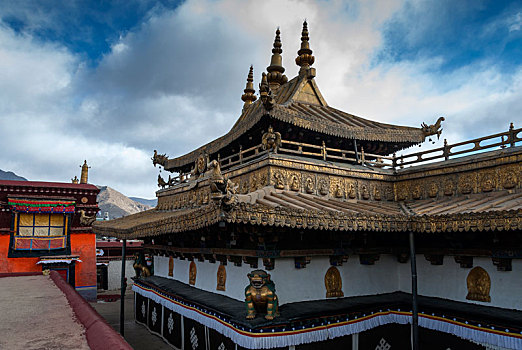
(301,228)
(47,226)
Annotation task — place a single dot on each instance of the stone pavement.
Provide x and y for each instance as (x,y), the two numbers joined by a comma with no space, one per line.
(36,315)
(135,334)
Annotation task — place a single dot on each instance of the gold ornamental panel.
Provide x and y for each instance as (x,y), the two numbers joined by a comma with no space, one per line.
(333,283)
(171,266)
(479,284)
(221,278)
(192,273)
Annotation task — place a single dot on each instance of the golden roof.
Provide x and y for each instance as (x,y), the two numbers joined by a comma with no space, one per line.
(299,102)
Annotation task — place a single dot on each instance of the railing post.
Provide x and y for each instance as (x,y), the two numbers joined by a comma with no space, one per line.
(323,151)
(240,154)
(512,135)
(355,148)
(446,150)
(362,156)
(123,287)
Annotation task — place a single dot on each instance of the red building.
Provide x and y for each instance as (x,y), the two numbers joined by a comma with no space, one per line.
(47,225)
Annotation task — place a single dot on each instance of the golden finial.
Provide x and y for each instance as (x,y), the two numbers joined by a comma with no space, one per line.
(75,180)
(85,173)
(265,94)
(249,97)
(275,71)
(304,58)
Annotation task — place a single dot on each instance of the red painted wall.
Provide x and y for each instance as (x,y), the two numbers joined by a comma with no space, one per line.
(15,264)
(84,245)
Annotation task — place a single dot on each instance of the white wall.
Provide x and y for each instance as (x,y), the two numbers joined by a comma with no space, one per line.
(291,284)
(385,276)
(449,281)
(114,273)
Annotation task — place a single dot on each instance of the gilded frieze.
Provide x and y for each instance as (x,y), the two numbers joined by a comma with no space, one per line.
(351,189)
(339,190)
(295,181)
(449,187)
(323,186)
(310,184)
(509,178)
(376,193)
(479,284)
(279,180)
(466,183)
(416,191)
(433,189)
(487,182)
(365,193)
(402,191)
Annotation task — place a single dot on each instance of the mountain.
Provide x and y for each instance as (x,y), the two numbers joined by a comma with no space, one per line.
(149,202)
(116,204)
(9,175)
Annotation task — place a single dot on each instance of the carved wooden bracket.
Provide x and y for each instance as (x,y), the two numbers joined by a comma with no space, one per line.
(338,260)
(368,259)
(210,257)
(435,259)
(464,261)
(252,261)
(222,259)
(502,264)
(236,260)
(403,257)
(301,262)
(269,263)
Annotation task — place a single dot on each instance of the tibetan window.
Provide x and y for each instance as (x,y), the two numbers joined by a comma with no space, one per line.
(40,227)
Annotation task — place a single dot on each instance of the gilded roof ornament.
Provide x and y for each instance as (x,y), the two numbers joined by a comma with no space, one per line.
(304,58)
(275,70)
(265,93)
(434,129)
(249,97)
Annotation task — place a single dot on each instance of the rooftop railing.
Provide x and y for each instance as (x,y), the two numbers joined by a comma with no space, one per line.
(510,138)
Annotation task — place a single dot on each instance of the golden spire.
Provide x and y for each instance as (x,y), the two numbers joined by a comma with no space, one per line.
(249,97)
(85,173)
(304,58)
(275,71)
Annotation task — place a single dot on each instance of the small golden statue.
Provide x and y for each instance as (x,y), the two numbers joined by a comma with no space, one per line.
(260,295)
(171,266)
(221,278)
(161,183)
(271,140)
(140,265)
(192,273)
(86,220)
(479,284)
(333,283)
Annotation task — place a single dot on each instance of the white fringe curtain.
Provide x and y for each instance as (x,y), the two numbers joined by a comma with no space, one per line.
(330,330)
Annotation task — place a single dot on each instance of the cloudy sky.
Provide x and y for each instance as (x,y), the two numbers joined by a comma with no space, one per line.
(110,81)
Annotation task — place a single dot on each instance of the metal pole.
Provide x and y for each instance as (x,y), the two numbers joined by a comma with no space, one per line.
(123,288)
(415,311)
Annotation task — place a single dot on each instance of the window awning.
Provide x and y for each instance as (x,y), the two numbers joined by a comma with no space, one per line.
(41,205)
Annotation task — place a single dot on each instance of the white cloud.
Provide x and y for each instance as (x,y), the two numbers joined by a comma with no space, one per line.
(175,81)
